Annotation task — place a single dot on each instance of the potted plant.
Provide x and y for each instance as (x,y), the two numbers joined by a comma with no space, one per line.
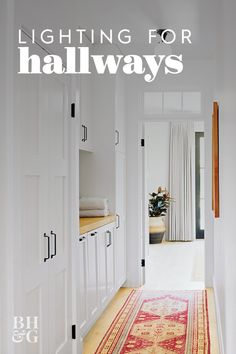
(158,207)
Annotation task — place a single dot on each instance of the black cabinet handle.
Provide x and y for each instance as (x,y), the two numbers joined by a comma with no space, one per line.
(117,137)
(55,244)
(93,234)
(72,110)
(84,133)
(118,221)
(109,235)
(48,238)
(82,238)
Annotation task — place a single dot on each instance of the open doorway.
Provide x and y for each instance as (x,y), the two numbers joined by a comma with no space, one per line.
(174,165)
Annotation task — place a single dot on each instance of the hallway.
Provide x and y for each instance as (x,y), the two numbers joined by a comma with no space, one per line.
(170,266)
(111,102)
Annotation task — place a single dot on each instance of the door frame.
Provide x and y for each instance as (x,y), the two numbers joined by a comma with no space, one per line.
(199,232)
(142,197)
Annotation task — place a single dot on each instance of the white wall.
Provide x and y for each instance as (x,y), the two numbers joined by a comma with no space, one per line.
(225,226)
(197,76)
(6,176)
(157,138)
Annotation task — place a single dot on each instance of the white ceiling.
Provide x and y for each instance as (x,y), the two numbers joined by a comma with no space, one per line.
(141,15)
(137,15)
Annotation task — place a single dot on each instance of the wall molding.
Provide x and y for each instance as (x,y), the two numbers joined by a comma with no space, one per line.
(218,319)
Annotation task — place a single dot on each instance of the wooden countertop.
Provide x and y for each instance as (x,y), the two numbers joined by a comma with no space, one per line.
(89,224)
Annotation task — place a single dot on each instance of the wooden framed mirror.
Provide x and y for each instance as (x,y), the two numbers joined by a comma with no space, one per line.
(215,161)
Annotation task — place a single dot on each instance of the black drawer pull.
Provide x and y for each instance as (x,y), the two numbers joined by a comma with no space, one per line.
(84,133)
(55,244)
(118,221)
(109,238)
(93,234)
(117,137)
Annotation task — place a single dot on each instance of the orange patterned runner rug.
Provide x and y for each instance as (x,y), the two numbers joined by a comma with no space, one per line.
(160,322)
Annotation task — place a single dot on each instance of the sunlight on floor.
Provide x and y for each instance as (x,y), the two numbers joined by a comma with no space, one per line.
(175,266)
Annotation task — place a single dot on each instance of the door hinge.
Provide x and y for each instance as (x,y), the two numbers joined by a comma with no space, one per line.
(142,262)
(73,331)
(142,142)
(72,110)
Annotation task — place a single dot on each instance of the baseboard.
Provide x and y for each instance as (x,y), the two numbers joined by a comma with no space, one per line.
(218,320)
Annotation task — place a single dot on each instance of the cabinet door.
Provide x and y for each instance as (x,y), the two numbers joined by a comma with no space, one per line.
(120,233)
(57,112)
(119,114)
(110,260)
(92,289)
(31,243)
(43,253)
(102,283)
(86,133)
(82,280)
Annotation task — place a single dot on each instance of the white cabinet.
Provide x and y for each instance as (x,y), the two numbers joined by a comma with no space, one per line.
(102,242)
(57,117)
(96,275)
(106,262)
(86,128)
(92,289)
(110,261)
(42,257)
(104,173)
(120,234)
(82,278)
(120,163)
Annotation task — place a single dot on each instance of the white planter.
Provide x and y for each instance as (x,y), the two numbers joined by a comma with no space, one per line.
(156,229)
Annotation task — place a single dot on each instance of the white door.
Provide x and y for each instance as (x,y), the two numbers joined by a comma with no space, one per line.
(102,282)
(144,200)
(42,281)
(86,133)
(56,93)
(82,276)
(110,260)
(92,289)
(32,248)
(120,240)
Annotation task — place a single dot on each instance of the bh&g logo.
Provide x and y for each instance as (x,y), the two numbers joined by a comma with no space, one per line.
(25,328)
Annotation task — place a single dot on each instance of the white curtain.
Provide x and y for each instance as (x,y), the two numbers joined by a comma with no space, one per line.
(181,181)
